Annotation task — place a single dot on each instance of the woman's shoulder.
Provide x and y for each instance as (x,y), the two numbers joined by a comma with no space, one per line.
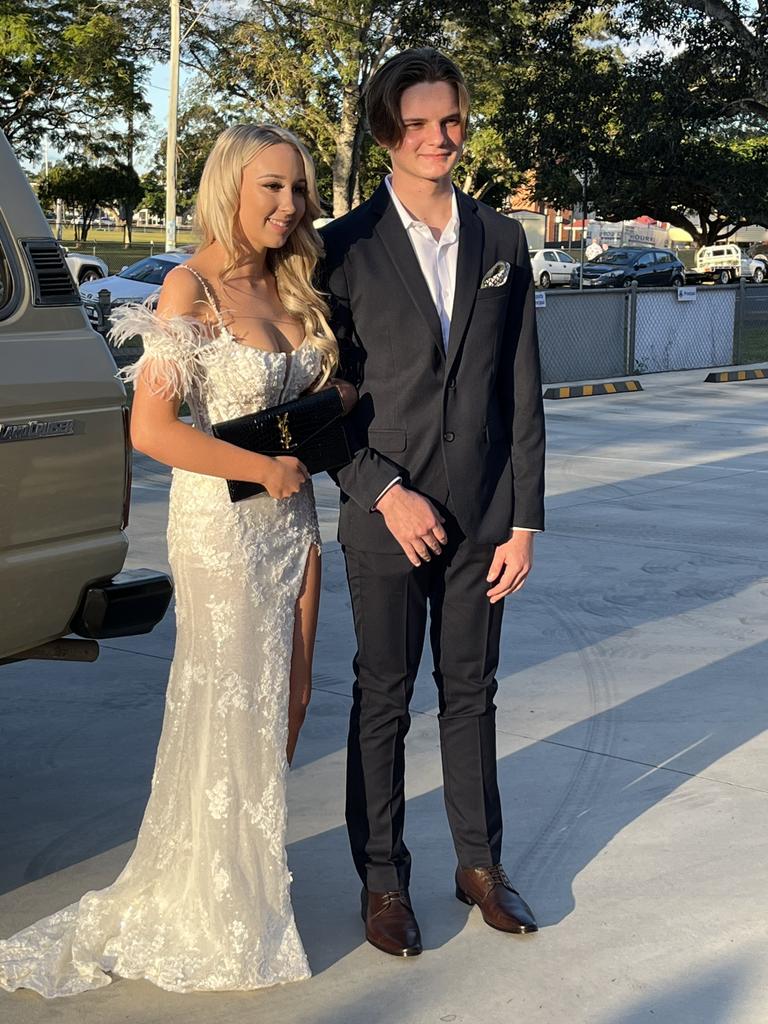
(183,293)
(181,316)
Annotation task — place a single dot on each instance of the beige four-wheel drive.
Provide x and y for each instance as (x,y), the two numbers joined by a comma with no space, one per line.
(65,455)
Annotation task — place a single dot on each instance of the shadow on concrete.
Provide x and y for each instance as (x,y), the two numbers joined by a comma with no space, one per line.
(564,802)
(710,996)
(78,760)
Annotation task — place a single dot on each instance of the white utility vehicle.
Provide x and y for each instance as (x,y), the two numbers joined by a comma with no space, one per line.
(725,264)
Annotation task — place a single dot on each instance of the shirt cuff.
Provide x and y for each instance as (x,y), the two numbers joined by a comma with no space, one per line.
(526,529)
(390,485)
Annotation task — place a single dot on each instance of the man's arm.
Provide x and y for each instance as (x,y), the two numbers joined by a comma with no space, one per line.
(369,474)
(520,382)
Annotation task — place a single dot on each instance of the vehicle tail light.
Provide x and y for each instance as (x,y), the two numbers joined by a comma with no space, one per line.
(128,475)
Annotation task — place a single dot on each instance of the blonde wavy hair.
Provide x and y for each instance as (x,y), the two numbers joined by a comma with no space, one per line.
(293,265)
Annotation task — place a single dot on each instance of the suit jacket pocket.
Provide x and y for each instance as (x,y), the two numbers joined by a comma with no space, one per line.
(387,440)
(495,432)
(494,293)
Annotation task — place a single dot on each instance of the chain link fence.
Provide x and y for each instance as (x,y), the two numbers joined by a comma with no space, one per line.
(611,332)
(602,333)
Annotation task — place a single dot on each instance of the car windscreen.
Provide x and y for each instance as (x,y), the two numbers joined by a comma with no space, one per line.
(617,256)
(149,271)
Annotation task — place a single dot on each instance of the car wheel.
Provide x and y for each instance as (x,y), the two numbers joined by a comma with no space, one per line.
(89,274)
(759,275)
(724,277)
(677,281)
(544,279)
(627,282)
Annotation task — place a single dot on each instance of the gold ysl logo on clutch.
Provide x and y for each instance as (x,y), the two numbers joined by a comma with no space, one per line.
(285,433)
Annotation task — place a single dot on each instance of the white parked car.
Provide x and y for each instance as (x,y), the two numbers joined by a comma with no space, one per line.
(136,283)
(85,268)
(552,266)
(726,263)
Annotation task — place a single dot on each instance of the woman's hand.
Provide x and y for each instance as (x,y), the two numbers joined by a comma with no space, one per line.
(285,476)
(347,391)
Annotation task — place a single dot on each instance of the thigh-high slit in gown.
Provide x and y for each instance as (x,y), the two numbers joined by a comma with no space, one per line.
(204,900)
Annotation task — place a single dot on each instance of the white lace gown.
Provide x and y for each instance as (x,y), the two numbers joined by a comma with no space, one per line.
(204,901)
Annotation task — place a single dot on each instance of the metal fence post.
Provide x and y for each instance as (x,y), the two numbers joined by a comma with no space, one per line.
(105,307)
(738,326)
(629,361)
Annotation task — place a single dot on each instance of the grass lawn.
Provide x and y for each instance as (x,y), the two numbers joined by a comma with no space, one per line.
(108,244)
(754,344)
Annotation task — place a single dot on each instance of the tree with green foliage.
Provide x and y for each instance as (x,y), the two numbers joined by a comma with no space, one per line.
(729,36)
(306,67)
(83,190)
(202,118)
(124,191)
(492,45)
(66,71)
(153,187)
(651,135)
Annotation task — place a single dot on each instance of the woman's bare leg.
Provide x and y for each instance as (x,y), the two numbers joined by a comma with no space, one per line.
(304,630)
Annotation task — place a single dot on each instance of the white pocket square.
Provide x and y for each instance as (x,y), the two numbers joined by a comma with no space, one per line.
(497,275)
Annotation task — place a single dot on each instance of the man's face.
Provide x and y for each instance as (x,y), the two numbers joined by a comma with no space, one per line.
(433,138)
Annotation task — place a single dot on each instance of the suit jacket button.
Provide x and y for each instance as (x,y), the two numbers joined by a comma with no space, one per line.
(449,436)
(452,384)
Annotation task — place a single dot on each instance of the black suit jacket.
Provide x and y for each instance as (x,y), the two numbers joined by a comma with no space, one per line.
(468,423)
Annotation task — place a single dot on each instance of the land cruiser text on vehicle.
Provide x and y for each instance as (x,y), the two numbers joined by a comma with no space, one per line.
(65,455)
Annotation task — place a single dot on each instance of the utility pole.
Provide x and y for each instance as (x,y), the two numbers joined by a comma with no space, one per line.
(173,107)
(584,181)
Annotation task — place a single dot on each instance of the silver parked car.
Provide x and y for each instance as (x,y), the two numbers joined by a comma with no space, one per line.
(84,268)
(552,266)
(135,283)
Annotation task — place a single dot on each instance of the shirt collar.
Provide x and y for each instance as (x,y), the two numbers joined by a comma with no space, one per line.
(451,228)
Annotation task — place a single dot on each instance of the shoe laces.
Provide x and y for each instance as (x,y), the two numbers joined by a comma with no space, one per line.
(398,894)
(499,876)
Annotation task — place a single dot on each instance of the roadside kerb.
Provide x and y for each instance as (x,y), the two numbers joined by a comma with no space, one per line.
(615,387)
(727,376)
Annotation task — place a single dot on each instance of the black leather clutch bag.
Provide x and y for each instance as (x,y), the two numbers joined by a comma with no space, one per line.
(310,428)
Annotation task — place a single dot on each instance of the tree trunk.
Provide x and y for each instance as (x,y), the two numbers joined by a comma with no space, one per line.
(347,151)
(357,151)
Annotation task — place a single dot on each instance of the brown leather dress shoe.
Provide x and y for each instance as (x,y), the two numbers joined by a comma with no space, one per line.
(502,906)
(389,922)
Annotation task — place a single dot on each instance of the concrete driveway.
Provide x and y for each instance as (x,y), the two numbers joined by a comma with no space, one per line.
(632,754)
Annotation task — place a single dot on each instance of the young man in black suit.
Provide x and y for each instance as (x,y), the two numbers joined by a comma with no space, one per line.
(432,304)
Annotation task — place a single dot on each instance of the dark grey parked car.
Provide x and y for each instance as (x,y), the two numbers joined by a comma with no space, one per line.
(621,267)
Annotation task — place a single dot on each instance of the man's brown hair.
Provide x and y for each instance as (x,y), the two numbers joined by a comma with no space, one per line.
(411,67)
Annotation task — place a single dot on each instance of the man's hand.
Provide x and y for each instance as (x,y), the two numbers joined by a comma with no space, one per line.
(511,564)
(414,522)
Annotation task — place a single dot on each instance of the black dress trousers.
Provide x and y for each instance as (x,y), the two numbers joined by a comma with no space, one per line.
(390,599)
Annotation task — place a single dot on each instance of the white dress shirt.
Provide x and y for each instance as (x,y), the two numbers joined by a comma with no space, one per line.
(437,258)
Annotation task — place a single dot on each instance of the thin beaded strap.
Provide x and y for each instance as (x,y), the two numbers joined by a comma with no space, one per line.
(208,294)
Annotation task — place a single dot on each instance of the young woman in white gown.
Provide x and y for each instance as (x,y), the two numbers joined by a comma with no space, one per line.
(203,903)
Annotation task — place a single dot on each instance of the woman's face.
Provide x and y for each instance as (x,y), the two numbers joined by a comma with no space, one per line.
(273,196)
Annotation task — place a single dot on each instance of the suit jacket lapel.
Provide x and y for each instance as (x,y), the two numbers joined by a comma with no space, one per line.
(468,271)
(393,236)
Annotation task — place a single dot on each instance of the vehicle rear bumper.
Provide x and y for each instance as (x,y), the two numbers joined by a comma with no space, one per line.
(129,604)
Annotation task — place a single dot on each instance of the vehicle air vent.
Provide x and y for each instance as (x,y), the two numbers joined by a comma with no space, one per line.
(51,278)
